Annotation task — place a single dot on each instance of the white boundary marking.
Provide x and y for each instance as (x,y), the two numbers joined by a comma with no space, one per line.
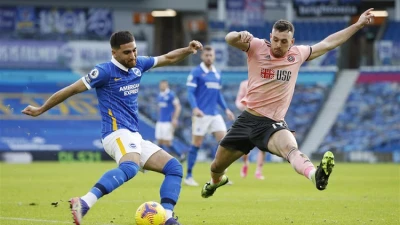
(33,220)
(45,221)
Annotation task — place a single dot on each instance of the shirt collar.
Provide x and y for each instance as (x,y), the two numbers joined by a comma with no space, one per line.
(119,65)
(206,70)
(165,92)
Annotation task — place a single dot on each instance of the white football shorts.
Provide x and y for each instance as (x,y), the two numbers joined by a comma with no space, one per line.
(164,131)
(123,141)
(207,124)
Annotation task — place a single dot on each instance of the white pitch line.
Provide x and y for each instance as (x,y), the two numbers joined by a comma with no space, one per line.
(43,221)
(33,220)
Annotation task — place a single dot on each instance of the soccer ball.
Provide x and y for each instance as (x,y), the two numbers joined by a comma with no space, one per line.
(150,213)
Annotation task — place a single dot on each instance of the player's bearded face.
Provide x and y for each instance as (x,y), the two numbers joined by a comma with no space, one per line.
(126,54)
(208,57)
(281,42)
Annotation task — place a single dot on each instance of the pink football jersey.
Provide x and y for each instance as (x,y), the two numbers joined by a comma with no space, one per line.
(272,80)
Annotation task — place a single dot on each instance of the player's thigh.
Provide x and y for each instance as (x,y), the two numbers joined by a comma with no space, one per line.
(164,142)
(123,143)
(224,158)
(261,153)
(201,125)
(218,125)
(281,142)
(219,135)
(153,157)
(197,140)
(155,161)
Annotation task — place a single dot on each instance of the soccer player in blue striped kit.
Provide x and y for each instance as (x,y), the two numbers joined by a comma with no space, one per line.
(117,85)
(169,109)
(204,95)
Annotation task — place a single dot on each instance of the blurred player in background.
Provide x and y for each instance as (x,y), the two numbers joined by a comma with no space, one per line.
(204,95)
(117,85)
(272,70)
(261,155)
(169,110)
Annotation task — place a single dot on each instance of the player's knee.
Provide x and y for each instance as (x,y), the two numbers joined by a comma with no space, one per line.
(197,141)
(216,167)
(286,152)
(173,167)
(129,168)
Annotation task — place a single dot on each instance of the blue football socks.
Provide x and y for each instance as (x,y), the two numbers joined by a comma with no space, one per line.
(191,160)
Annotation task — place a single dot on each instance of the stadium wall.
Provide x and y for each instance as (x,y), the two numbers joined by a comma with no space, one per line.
(74,126)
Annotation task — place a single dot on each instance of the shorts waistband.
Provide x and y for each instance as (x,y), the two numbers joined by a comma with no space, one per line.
(260,118)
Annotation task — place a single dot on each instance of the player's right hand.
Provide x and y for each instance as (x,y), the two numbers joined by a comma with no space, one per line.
(245,36)
(32,111)
(197,112)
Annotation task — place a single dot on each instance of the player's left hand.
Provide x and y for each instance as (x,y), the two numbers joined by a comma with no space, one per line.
(366,18)
(194,46)
(174,123)
(32,111)
(229,114)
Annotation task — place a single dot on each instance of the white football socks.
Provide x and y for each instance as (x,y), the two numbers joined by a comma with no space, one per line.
(311,175)
(169,213)
(90,199)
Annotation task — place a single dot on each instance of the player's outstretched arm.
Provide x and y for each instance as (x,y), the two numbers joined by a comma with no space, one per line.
(178,54)
(56,98)
(240,40)
(338,38)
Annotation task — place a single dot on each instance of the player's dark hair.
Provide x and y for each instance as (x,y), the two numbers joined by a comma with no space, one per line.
(163,81)
(120,38)
(207,48)
(283,25)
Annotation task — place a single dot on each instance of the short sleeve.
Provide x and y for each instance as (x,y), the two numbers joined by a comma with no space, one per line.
(254,45)
(305,52)
(96,78)
(176,101)
(146,62)
(192,79)
(174,98)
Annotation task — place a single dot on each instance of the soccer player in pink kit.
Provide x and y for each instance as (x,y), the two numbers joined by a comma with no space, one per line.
(272,71)
(261,155)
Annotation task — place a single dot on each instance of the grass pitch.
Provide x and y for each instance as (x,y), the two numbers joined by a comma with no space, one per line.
(356,194)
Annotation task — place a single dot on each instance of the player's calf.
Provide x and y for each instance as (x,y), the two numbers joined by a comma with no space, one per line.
(171,186)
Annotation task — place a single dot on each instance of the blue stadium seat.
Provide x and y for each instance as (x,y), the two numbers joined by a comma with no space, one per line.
(392,31)
(369,120)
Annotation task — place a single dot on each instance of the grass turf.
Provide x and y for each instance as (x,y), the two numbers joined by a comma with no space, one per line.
(357,194)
